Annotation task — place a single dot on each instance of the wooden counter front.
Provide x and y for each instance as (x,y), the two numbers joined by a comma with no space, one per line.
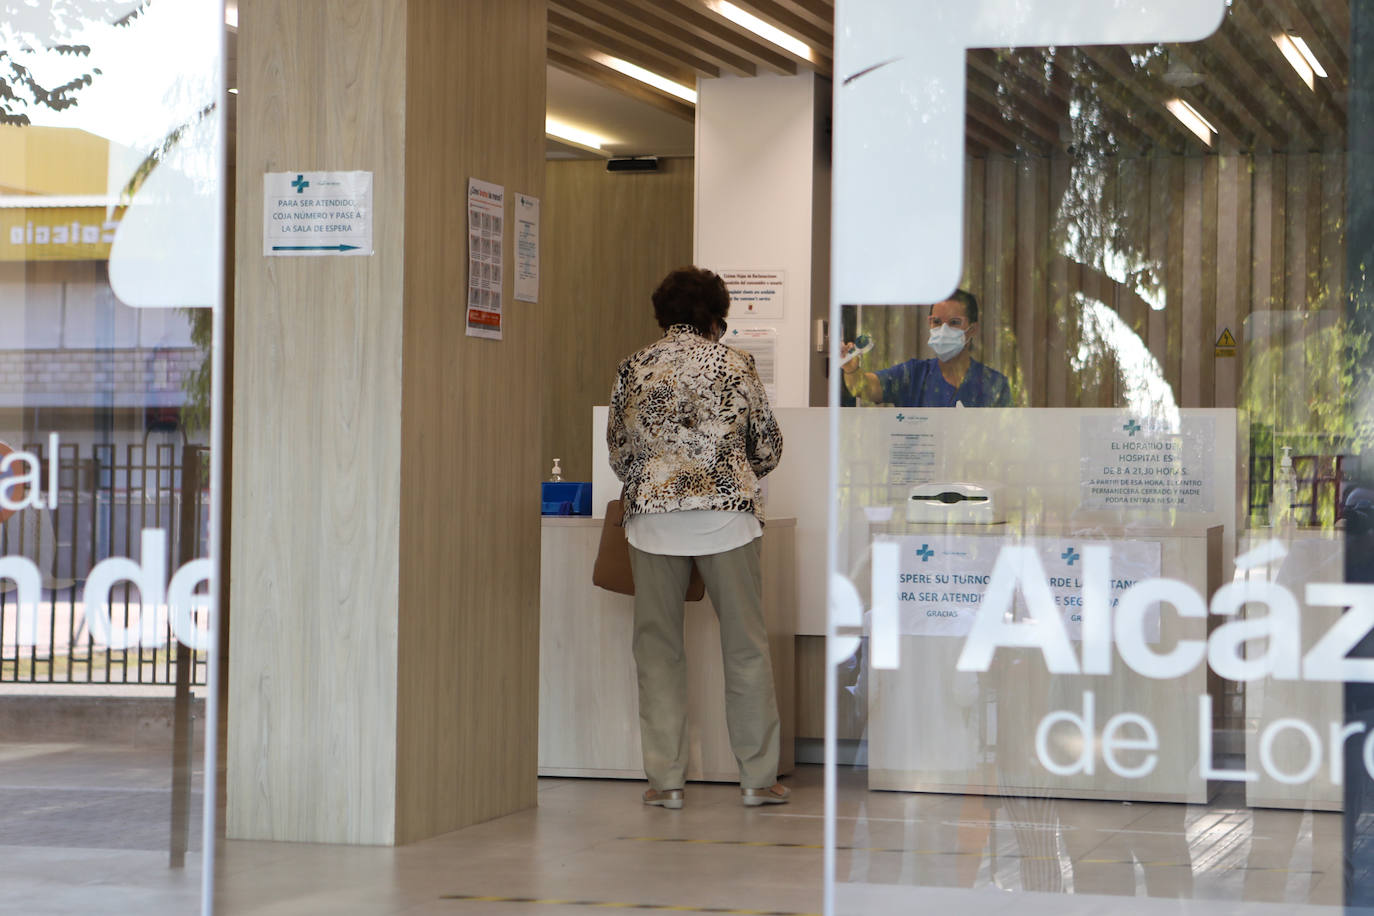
(588,697)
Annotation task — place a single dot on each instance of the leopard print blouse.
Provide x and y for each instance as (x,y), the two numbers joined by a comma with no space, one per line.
(690,427)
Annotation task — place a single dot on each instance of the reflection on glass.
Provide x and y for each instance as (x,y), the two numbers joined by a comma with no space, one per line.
(1113,607)
(111,145)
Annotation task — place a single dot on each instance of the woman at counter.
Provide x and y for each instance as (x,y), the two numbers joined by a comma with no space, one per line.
(690,434)
(952,378)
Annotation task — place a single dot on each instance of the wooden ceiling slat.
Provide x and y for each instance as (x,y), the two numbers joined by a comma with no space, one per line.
(600,23)
(1117,63)
(1336,15)
(1032,99)
(1030,121)
(821,38)
(674,32)
(1233,132)
(1018,135)
(1030,66)
(606,43)
(1311,27)
(820,13)
(818,61)
(715,30)
(1235,99)
(1317,98)
(991,141)
(1238,66)
(572,62)
(1249,91)
(1253,46)
(1154,127)
(973,148)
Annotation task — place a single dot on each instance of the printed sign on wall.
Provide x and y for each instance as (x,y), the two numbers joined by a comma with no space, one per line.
(316,214)
(526,248)
(755,293)
(486,229)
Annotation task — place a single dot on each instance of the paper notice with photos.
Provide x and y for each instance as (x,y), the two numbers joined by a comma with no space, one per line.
(486,228)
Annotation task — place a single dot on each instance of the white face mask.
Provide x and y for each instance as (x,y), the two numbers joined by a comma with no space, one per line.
(947,342)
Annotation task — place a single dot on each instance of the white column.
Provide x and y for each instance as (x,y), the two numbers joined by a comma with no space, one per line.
(763,203)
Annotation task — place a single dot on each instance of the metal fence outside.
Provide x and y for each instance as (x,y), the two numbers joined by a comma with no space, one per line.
(107,495)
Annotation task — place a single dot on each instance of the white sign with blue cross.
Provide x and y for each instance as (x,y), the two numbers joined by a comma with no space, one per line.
(1149,464)
(942,578)
(316,214)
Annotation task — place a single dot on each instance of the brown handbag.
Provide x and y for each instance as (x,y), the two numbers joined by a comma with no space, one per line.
(612,569)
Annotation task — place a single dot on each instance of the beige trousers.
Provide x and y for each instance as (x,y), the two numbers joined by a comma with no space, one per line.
(734,580)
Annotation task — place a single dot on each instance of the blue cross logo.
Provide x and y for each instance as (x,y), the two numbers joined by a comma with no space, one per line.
(925,553)
(1070,555)
(1132,427)
(300,184)
(900,418)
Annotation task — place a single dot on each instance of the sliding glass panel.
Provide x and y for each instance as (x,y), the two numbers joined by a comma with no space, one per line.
(1102,494)
(111,184)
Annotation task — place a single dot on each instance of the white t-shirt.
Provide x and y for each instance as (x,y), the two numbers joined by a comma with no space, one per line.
(692,532)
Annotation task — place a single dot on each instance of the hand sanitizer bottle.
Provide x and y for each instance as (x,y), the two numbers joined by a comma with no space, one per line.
(556,474)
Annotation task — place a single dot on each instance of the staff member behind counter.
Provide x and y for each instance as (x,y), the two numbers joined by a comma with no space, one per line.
(952,379)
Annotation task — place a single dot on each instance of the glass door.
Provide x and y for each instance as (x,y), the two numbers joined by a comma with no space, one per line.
(1101,494)
(111,250)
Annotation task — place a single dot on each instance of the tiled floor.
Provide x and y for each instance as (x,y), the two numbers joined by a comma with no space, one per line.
(84,829)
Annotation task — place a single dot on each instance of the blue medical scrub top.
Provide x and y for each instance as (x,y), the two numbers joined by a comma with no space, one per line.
(918,383)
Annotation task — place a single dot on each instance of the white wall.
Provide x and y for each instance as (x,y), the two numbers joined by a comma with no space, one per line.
(756,202)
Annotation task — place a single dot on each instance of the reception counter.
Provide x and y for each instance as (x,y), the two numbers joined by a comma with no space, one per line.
(588,698)
(932,728)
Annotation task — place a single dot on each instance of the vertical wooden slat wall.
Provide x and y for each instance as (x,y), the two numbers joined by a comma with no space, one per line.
(608,239)
(467,698)
(1226,236)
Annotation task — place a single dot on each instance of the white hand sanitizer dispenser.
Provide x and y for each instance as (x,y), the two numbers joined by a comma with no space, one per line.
(1285,489)
(556,473)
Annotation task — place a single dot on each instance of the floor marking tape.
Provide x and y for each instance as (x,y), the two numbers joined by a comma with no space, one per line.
(617,905)
(934,852)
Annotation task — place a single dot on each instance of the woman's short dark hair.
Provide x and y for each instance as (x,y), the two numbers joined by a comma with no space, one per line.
(691,295)
(968,301)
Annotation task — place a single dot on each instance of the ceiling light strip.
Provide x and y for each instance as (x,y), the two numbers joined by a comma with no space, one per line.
(1296,59)
(578,135)
(1307,54)
(1192,119)
(765,30)
(648,77)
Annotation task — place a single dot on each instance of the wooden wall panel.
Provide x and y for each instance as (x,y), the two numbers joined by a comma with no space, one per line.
(1204,328)
(316,476)
(1221,237)
(467,678)
(1157,249)
(1060,298)
(996,299)
(1174,204)
(608,239)
(1032,304)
